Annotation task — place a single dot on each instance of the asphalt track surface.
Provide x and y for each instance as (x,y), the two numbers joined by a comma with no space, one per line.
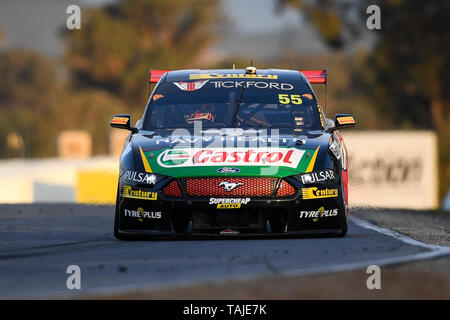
(39,241)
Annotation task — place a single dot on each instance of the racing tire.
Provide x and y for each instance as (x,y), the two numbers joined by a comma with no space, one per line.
(344,225)
(180,223)
(343,217)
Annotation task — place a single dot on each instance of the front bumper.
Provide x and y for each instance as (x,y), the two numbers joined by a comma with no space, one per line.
(161,235)
(169,217)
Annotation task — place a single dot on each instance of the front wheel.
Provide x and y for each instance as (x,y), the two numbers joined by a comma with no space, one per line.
(344,225)
(343,218)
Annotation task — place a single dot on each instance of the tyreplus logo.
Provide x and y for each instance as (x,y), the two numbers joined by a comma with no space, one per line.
(281,157)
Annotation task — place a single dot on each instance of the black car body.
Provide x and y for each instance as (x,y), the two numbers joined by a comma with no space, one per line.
(222,153)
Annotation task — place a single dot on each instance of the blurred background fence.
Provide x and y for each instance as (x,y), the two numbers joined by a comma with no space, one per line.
(391,169)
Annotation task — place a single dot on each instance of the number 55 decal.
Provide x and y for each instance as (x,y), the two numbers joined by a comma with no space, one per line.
(286,99)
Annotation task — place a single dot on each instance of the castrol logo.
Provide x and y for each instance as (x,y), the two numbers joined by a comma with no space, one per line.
(281,157)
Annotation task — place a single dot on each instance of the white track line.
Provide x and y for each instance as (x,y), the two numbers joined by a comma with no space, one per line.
(402,237)
(434,252)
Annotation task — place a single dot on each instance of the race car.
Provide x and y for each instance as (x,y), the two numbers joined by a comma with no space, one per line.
(233,153)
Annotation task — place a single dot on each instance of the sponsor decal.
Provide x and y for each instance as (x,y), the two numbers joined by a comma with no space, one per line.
(253,84)
(173,158)
(228,186)
(345,120)
(318,176)
(157,96)
(307,96)
(228,206)
(315,193)
(190,86)
(336,149)
(200,116)
(231,75)
(139,177)
(319,213)
(289,99)
(140,214)
(145,161)
(282,157)
(129,192)
(119,120)
(228,170)
(229,201)
(229,232)
(313,161)
(241,137)
(322,122)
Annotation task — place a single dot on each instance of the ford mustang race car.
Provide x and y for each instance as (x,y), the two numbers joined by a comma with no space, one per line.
(228,153)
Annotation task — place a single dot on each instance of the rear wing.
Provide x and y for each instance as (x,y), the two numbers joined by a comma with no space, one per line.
(313,76)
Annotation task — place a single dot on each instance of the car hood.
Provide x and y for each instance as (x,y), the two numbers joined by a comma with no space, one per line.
(230,152)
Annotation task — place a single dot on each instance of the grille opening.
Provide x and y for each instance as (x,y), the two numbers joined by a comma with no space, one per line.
(285,190)
(172,190)
(231,187)
(240,187)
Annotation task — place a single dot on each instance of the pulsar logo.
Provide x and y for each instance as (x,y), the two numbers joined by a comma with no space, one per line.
(190,86)
(318,177)
(228,186)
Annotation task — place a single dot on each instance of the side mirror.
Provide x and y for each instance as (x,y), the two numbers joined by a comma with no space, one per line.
(122,121)
(342,121)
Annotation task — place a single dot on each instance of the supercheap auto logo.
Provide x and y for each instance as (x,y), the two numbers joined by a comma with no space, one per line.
(228,203)
(283,157)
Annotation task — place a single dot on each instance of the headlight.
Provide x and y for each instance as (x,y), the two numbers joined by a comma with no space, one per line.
(142,177)
(336,149)
(326,176)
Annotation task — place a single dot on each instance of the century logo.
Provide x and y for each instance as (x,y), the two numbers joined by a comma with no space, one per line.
(129,192)
(315,193)
(283,157)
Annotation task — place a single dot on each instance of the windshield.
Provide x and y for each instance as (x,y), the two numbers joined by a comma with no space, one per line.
(257,103)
